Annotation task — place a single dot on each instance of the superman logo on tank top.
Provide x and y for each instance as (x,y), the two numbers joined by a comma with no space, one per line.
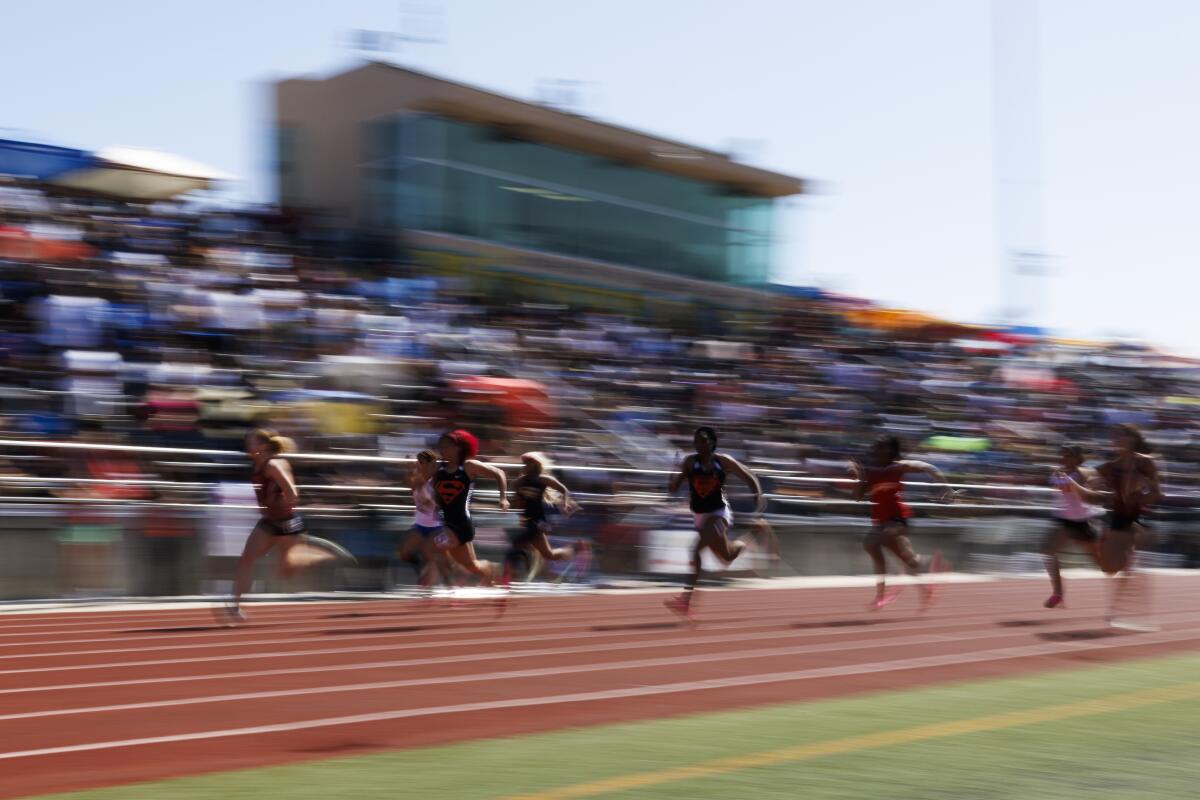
(704,485)
(449,490)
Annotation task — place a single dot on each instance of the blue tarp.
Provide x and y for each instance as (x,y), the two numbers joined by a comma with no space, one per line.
(41,161)
(805,292)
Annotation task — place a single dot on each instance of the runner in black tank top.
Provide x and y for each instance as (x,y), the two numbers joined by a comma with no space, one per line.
(705,473)
(452,491)
(529,493)
(280,527)
(707,486)
(1133,485)
(452,488)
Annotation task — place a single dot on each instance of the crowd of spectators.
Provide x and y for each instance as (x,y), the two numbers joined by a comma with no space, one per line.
(176,325)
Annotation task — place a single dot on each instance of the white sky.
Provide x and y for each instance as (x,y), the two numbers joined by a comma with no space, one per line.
(887,104)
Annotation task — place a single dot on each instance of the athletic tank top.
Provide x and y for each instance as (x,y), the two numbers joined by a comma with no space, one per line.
(533,498)
(707,486)
(1070,505)
(452,490)
(272,499)
(1127,483)
(883,489)
(426,507)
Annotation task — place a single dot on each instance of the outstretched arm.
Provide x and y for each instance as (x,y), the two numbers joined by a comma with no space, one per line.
(477,469)
(680,476)
(1154,490)
(735,467)
(855,473)
(932,471)
(569,506)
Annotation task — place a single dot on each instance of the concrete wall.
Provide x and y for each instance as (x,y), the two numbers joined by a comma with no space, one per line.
(46,552)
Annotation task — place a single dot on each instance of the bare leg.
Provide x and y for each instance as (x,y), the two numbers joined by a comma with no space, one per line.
(1054,542)
(296,556)
(257,545)
(899,544)
(464,556)
(542,545)
(874,547)
(712,536)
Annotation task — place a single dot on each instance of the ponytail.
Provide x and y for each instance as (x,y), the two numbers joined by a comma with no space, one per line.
(278,444)
(282,444)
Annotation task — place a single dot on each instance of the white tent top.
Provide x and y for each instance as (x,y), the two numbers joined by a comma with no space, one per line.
(141,174)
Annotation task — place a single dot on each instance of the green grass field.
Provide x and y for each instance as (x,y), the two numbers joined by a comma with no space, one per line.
(1120,731)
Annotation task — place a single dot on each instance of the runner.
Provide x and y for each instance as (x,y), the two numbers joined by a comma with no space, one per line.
(1073,519)
(280,526)
(452,486)
(530,495)
(705,472)
(418,547)
(1131,486)
(882,483)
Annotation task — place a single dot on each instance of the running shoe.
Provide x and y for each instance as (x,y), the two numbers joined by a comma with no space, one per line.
(583,560)
(929,590)
(680,606)
(230,615)
(1054,601)
(884,600)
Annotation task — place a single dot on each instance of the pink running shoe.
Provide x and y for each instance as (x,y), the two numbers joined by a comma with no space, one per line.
(884,600)
(583,560)
(681,607)
(1053,601)
(930,591)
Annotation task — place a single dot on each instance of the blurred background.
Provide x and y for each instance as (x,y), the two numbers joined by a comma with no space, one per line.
(367,223)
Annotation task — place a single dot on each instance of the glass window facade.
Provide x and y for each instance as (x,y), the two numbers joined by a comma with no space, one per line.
(441,175)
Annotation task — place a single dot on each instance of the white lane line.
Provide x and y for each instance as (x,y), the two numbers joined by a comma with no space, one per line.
(895,641)
(947,633)
(765,622)
(311,611)
(585,622)
(539,672)
(927,662)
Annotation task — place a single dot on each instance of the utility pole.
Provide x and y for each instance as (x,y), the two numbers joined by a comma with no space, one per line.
(1017,123)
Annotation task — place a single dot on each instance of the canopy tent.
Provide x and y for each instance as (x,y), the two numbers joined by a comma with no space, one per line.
(958,444)
(126,172)
(40,161)
(139,174)
(526,403)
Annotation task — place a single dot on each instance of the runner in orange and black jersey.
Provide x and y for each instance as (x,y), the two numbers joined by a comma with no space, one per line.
(881,481)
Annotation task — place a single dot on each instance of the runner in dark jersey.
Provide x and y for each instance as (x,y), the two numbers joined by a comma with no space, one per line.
(529,495)
(279,527)
(1132,486)
(881,481)
(453,484)
(705,472)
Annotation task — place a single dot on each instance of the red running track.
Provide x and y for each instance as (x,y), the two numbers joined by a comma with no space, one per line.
(114,697)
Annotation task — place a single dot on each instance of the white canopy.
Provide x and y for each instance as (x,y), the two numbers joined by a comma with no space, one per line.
(141,174)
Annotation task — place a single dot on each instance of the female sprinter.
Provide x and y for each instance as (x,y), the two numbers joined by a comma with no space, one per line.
(1072,518)
(881,482)
(529,494)
(1132,486)
(452,488)
(280,526)
(705,473)
(418,547)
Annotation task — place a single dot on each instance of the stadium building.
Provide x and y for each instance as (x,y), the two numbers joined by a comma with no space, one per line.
(486,184)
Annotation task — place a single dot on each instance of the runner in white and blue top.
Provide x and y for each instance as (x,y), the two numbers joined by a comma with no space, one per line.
(1073,517)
